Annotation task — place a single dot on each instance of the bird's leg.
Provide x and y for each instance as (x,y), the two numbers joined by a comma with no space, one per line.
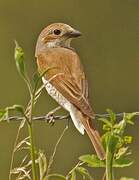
(50,115)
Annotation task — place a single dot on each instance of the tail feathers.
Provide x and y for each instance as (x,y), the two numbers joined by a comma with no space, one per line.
(93,135)
(96,141)
(76,120)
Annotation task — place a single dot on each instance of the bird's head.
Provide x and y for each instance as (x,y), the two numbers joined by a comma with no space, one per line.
(57,35)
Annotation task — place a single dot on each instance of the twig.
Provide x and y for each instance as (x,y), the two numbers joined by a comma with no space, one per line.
(104,176)
(54,152)
(74,168)
(13,152)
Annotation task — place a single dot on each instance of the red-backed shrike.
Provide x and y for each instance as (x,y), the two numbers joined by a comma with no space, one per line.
(65,81)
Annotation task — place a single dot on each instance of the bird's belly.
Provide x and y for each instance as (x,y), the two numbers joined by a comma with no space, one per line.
(55,94)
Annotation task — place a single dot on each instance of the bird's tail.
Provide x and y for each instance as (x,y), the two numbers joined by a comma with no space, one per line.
(93,135)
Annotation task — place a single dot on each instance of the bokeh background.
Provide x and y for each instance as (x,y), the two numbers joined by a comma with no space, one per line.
(109,50)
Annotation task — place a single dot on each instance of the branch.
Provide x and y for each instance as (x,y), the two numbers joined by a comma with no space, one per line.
(55,118)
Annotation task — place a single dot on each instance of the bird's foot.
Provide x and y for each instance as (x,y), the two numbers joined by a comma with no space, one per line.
(50,118)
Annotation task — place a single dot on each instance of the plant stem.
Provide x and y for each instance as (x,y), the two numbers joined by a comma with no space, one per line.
(30,131)
(109,161)
(32,151)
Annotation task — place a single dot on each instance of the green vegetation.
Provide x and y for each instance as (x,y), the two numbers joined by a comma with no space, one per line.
(37,166)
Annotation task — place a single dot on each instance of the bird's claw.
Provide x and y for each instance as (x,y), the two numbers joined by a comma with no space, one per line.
(50,118)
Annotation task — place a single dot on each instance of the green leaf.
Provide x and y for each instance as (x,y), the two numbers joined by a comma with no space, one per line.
(126,178)
(123,151)
(106,121)
(128,117)
(104,139)
(73,175)
(84,172)
(36,77)
(19,59)
(2,113)
(112,141)
(128,139)
(92,160)
(56,176)
(18,108)
(106,127)
(112,116)
(122,162)
(119,128)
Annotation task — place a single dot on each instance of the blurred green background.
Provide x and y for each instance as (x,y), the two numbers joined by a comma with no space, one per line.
(109,51)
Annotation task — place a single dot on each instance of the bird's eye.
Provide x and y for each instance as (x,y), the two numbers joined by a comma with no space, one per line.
(57,31)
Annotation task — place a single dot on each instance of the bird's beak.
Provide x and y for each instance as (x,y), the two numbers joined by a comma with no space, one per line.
(73,33)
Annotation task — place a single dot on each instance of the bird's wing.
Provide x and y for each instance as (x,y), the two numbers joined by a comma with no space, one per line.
(67,76)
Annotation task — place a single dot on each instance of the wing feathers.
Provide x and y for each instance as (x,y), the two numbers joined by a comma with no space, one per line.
(72,83)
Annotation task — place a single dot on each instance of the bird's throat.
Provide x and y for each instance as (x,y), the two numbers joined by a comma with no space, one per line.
(59,43)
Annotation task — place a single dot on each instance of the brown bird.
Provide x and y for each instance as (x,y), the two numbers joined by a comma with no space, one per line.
(65,80)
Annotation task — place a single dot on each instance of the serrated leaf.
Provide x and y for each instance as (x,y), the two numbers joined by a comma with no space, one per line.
(92,160)
(122,162)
